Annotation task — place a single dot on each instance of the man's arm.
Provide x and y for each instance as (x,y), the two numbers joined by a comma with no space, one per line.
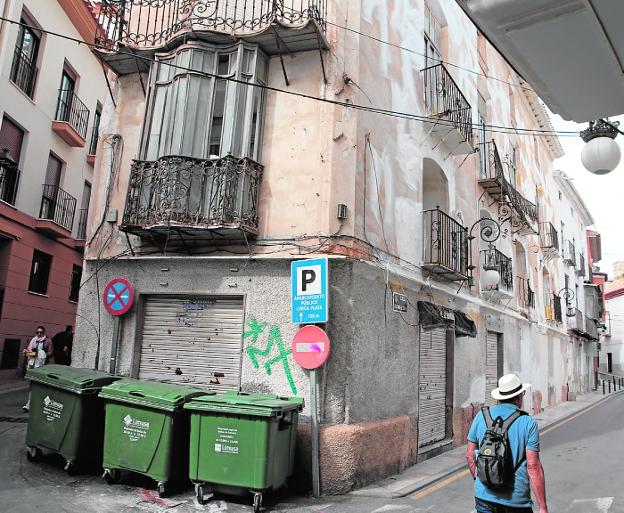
(470,458)
(536,477)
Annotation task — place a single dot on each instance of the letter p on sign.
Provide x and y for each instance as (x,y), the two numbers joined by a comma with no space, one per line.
(309,280)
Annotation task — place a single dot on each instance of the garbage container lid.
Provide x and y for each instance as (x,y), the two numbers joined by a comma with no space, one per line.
(242,403)
(73,379)
(153,394)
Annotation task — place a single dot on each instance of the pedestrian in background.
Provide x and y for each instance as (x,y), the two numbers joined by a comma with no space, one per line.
(521,440)
(62,343)
(38,353)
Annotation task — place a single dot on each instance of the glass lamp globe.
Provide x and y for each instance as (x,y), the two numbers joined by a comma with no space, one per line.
(490,278)
(601,155)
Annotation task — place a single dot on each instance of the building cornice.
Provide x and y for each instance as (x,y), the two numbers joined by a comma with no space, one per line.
(573,195)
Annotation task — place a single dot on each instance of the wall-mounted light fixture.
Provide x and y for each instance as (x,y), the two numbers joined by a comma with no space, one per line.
(601,154)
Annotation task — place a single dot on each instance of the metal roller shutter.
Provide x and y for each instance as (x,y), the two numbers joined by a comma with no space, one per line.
(491,366)
(192,340)
(432,387)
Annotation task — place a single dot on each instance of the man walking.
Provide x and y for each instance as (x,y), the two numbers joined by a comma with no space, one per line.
(524,469)
(63,342)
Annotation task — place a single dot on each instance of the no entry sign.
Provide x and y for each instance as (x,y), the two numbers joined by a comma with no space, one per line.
(118,296)
(310,347)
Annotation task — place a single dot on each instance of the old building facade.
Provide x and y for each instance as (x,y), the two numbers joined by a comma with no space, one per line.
(51,95)
(243,139)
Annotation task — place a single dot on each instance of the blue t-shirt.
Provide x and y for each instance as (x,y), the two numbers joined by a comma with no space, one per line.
(523,434)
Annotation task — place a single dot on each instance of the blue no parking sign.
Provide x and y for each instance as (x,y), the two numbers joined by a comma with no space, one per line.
(118,296)
(309,296)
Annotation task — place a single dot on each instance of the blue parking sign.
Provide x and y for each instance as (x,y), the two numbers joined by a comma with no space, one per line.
(309,296)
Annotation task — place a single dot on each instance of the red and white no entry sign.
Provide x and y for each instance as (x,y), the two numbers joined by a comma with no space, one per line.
(310,347)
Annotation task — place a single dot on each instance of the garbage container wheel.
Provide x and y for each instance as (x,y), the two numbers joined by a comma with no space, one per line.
(203,495)
(111,475)
(33,454)
(162,489)
(257,502)
(70,468)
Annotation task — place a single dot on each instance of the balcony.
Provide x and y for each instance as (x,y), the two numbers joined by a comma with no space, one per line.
(72,117)
(591,329)
(512,205)
(446,246)
(526,296)
(147,26)
(493,259)
(23,72)
(56,215)
(569,254)
(9,178)
(552,308)
(445,102)
(549,238)
(193,197)
(580,270)
(576,322)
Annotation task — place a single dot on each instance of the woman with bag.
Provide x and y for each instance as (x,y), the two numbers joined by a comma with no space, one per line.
(38,353)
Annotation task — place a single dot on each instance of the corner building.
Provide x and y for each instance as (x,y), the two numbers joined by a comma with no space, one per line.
(239,148)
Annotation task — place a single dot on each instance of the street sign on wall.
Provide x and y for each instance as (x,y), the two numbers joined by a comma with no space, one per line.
(309,298)
(310,347)
(118,296)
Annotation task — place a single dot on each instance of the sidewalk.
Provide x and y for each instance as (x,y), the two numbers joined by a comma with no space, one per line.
(429,472)
(9,381)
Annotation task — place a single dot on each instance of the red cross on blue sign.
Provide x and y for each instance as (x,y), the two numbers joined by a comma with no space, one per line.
(118,296)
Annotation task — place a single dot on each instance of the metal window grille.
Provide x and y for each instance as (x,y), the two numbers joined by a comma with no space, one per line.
(72,110)
(58,206)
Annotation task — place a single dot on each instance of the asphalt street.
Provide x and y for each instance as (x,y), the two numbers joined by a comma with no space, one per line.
(582,459)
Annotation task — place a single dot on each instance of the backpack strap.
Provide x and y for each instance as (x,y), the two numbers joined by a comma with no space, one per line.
(489,422)
(506,425)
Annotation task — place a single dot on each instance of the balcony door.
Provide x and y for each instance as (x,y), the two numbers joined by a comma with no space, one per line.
(66,93)
(50,187)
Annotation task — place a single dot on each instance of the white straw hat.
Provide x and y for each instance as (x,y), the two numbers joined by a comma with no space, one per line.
(509,386)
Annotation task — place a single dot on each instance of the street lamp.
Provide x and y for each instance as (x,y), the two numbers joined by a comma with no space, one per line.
(489,232)
(601,154)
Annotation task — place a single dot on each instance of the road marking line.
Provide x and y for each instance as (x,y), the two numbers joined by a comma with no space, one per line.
(565,421)
(459,474)
(439,485)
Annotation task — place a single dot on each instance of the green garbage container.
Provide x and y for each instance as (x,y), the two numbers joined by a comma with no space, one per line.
(242,442)
(147,430)
(66,416)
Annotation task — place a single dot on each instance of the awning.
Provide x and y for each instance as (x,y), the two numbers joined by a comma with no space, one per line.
(431,315)
(464,325)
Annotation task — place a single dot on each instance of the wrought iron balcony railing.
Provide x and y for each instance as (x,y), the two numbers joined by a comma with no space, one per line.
(557,310)
(526,296)
(57,205)
(81,231)
(549,238)
(570,253)
(23,72)
(445,245)
(70,109)
(156,23)
(580,270)
(492,178)
(577,321)
(492,258)
(444,99)
(191,195)
(9,178)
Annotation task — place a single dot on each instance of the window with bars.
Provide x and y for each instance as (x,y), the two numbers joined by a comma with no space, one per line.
(40,272)
(74,288)
(95,131)
(24,66)
(200,113)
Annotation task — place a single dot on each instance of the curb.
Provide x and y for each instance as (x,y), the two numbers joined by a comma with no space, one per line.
(13,388)
(551,425)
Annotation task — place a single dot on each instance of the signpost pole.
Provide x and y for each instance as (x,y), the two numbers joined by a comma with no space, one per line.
(114,345)
(314,433)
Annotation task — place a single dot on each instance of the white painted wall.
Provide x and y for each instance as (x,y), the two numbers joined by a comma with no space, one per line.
(35,116)
(615,343)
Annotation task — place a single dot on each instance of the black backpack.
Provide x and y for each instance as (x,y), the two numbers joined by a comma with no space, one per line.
(495,467)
